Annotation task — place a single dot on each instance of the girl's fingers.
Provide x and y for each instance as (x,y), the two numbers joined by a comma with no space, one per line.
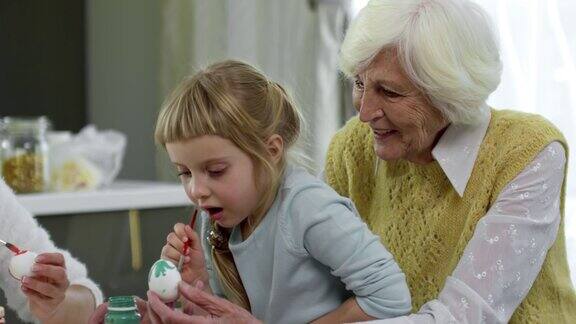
(180,231)
(170,253)
(175,241)
(189,232)
(193,237)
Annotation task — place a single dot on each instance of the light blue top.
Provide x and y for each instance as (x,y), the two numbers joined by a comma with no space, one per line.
(309,254)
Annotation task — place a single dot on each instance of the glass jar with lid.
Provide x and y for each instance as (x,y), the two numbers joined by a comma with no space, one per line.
(122,310)
(24,153)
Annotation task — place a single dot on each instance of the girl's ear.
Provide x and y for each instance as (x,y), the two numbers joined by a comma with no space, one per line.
(275,147)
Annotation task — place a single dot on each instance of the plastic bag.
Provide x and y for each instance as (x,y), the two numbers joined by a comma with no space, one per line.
(88,160)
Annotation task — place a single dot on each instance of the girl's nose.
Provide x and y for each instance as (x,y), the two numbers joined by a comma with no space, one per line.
(198,189)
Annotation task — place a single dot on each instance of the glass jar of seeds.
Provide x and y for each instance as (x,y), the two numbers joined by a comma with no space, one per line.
(24,153)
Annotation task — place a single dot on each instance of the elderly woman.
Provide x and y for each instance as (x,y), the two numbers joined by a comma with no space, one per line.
(470,200)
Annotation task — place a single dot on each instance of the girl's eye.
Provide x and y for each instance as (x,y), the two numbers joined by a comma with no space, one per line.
(358,84)
(216,172)
(183,173)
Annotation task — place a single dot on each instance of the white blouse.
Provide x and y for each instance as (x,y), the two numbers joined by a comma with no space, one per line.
(17,226)
(509,245)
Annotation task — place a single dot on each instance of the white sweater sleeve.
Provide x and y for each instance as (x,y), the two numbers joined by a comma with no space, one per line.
(19,227)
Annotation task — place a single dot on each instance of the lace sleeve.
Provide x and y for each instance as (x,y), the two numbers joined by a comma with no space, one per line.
(507,250)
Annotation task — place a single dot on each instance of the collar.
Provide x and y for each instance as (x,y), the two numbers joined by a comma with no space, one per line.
(457,149)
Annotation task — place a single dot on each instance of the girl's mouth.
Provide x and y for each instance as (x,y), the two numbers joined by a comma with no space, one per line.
(216,213)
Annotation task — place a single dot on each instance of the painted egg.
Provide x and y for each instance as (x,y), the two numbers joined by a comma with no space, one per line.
(21,264)
(163,279)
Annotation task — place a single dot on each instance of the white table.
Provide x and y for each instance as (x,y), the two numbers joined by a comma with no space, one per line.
(121,195)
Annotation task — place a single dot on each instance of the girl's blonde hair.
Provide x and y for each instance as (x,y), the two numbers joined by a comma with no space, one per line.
(233,100)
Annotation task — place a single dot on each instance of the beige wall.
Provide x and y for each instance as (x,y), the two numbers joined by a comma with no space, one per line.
(123,87)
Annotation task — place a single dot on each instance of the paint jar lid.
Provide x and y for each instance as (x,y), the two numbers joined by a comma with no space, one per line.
(121,303)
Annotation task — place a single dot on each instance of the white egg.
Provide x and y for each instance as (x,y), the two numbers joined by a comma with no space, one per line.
(163,279)
(21,264)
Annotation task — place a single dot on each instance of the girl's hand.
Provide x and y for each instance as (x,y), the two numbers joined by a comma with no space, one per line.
(46,287)
(194,267)
(2,315)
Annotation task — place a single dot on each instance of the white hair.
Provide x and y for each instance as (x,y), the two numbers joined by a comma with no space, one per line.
(447,48)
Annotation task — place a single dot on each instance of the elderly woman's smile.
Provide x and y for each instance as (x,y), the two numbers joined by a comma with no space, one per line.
(382,134)
(404,124)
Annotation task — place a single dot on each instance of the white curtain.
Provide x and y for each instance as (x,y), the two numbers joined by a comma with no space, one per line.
(294,42)
(538,44)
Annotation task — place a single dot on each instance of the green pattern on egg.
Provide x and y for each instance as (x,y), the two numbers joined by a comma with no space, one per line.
(161,267)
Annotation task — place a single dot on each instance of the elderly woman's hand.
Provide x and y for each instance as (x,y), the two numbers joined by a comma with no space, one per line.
(46,287)
(221,310)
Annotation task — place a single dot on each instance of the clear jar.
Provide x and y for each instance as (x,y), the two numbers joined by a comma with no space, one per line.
(24,153)
(122,310)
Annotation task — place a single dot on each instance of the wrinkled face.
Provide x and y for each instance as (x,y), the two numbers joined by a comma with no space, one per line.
(404,124)
(217,176)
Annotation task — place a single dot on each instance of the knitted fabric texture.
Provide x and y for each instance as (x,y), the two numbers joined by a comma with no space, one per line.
(426,225)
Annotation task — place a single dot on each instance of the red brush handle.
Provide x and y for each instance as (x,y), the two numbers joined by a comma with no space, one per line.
(192,223)
(13,248)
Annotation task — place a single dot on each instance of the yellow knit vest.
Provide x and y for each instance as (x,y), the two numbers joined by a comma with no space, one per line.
(426,225)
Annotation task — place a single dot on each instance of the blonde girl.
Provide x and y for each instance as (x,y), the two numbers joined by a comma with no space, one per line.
(273,239)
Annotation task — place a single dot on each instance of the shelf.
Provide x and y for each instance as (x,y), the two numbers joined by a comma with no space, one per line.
(121,195)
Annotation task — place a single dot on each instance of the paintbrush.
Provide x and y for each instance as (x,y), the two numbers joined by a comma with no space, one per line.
(187,243)
(11,247)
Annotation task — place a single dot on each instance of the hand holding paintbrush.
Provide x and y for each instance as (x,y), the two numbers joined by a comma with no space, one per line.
(187,243)
(183,247)
(177,247)
(42,277)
